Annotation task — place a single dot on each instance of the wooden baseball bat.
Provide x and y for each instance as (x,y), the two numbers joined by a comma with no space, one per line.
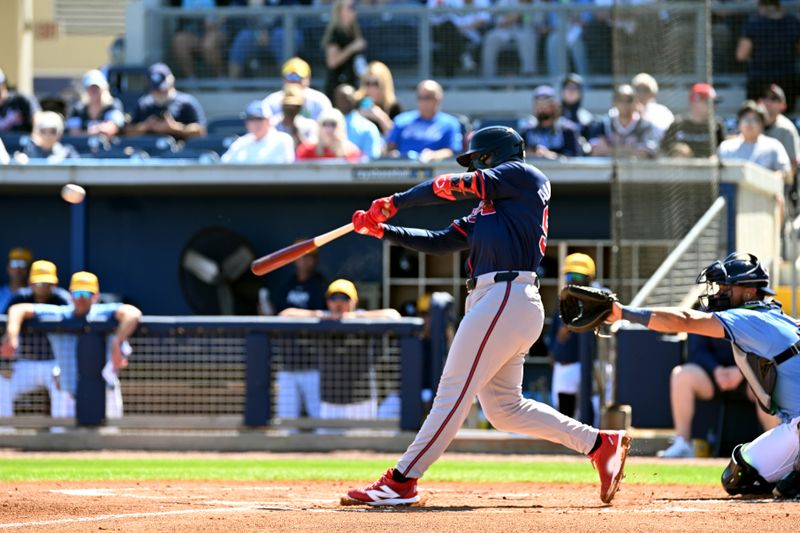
(284,256)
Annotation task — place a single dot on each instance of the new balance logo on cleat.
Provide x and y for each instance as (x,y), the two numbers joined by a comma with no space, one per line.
(382,493)
(385,491)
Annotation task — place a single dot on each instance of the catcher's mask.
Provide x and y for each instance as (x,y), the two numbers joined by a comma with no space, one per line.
(736,269)
(492,145)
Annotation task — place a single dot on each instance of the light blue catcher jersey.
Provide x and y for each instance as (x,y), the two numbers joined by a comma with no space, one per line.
(765,331)
(65,345)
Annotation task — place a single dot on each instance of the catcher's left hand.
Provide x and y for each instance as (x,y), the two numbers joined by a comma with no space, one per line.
(585,308)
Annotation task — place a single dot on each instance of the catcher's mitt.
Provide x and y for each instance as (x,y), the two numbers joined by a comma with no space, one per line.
(585,308)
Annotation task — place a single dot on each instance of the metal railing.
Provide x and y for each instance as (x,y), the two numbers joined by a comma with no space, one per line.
(224,372)
(672,283)
(409,38)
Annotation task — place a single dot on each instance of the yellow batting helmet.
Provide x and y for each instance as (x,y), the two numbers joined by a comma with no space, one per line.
(579,264)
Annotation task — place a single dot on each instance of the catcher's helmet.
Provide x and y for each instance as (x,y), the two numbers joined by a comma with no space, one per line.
(736,269)
(492,145)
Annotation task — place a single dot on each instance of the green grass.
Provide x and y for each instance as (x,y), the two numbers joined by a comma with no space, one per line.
(237,469)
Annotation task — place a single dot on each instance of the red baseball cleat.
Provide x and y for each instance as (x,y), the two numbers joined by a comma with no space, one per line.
(609,460)
(386,491)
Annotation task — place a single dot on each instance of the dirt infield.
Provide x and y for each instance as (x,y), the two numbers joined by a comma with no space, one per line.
(232,507)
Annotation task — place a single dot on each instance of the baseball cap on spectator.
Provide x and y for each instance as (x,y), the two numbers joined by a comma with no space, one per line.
(293,95)
(579,264)
(623,92)
(44,120)
(43,272)
(575,79)
(774,92)
(544,91)
(342,286)
(296,70)
(95,77)
(19,257)
(257,109)
(84,281)
(161,77)
(703,90)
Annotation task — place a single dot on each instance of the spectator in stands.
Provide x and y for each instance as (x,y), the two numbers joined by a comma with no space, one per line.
(511,27)
(300,128)
(623,132)
(752,145)
(250,49)
(573,40)
(167,111)
(85,290)
(658,115)
(548,134)
(199,36)
(572,104)
(297,73)
(17,269)
(376,98)
(4,157)
(426,134)
(347,386)
(691,135)
(566,348)
(262,143)
(360,131)
(35,366)
(332,142)
(769,45)
(344,47)
(457,36)
(779,126)
(48,128)
(97,112)
(710,373)
(16,110)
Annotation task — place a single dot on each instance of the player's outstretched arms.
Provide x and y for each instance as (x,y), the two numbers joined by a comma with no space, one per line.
(669,319)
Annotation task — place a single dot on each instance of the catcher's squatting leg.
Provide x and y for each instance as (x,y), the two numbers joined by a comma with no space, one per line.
(501,323)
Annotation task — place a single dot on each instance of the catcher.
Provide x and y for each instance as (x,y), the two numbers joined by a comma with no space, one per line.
(738,307)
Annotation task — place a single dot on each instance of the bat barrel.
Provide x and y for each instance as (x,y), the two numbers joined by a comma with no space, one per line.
(284,256)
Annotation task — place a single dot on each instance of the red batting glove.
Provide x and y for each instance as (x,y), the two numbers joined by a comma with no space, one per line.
(382,209)
(364,224)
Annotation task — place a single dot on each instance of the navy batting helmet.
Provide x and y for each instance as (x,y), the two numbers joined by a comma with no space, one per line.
(736,269)
(492,145)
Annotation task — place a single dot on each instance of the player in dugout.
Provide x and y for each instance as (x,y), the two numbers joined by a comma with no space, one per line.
(85,292)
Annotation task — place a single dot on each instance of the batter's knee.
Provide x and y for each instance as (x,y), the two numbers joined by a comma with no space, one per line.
(740,477)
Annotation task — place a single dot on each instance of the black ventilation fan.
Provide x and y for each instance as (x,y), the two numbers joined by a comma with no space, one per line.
(215,273)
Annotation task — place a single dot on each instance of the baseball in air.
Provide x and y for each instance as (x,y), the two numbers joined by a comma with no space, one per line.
(72,193)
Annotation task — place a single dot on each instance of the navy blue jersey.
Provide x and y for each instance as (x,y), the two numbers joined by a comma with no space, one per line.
(34,346)
(183,107)
(507,230)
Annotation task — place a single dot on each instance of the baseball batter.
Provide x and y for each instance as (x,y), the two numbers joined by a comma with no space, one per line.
(766,344)
(506,235)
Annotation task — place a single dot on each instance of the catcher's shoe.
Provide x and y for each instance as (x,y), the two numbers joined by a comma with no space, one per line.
(609,460)
(386,491)
(788,487)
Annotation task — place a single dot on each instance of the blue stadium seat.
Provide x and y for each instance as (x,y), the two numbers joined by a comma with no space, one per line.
(117,152)
(15,142)
(195,156)
(128,83)
(392,40)
(215,143)
(155,145)
(226,126)
(511,122)
(86,144)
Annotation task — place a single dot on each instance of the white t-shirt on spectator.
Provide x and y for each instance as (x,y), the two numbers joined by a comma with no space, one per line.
(316,102)
(659,116)
(275,147)
(766,151)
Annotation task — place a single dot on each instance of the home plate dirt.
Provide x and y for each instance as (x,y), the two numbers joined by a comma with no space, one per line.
(315,506)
